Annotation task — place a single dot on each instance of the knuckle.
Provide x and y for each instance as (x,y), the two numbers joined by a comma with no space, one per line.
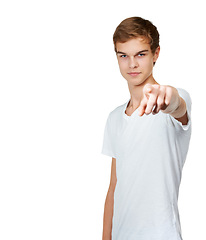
(169,90)
(147,87)
(157,86)
(162,88)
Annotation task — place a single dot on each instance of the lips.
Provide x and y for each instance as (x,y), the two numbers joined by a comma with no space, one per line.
(133,74)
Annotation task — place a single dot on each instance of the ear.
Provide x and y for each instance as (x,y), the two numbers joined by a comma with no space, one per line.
(156,54)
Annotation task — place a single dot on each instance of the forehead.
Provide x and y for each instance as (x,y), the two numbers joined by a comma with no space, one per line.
(133,45)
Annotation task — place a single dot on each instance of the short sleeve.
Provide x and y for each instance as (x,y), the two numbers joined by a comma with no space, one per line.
(108,146)
(177,124)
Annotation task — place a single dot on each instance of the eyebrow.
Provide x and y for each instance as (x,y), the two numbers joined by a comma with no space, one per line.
(118,52)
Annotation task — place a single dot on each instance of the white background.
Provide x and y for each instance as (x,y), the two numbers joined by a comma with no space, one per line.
(59,81)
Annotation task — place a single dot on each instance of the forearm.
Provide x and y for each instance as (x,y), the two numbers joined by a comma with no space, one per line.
(180,110)
(177,106)
(108,215)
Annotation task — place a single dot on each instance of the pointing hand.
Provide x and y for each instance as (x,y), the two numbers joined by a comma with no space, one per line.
(158,97)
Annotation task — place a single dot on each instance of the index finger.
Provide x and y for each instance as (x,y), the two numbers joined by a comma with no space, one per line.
(142,106)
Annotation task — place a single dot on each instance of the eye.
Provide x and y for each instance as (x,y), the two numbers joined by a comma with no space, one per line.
(123,56)
(141,54)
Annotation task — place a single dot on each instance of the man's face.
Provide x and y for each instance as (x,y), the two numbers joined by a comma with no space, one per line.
(136,60)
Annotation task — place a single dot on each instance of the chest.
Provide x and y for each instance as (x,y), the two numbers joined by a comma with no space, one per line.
(140,134)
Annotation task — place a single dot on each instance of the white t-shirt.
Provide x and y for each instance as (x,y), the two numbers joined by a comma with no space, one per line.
(150,152)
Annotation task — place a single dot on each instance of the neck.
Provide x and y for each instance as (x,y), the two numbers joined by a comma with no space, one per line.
(136,92)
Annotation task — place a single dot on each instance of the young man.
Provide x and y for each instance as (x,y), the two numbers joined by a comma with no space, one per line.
(148,139)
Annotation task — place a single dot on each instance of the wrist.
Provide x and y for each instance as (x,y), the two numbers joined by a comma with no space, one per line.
(180,110)
(174,106)
(177,107)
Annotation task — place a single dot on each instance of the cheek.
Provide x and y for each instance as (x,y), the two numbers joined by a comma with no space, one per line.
(148,64)
(122,65)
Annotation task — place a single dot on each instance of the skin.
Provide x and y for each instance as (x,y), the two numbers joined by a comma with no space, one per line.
(146,94)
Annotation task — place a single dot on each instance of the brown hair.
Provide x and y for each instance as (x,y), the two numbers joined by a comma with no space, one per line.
(136,27)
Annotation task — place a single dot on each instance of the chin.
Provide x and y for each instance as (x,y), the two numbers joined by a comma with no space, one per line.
(135,82)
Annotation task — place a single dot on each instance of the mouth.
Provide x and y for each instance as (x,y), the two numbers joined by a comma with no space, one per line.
(134,74)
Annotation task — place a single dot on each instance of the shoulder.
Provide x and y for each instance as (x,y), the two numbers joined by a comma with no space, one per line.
(184,94)
(176,123)
(116,112)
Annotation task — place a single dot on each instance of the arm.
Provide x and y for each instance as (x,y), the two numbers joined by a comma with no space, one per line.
(109,203)
(164,98)
(181,112)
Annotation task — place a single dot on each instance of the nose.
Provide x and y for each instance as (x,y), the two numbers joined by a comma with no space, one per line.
(133,63)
